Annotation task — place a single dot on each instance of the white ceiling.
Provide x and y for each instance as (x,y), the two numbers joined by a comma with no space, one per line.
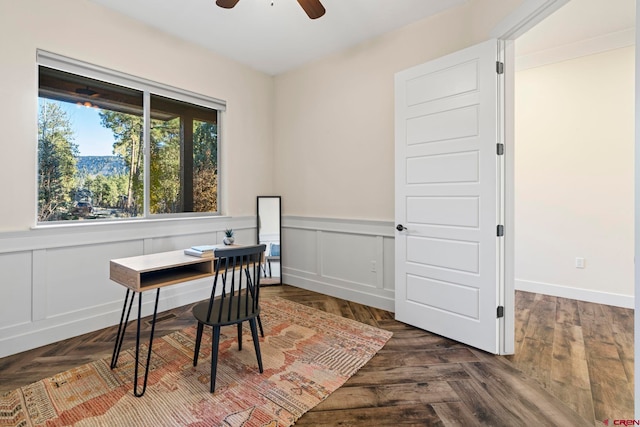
(274,39)
(277,38)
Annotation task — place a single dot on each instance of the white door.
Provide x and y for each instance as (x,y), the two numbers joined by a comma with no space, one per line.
(448,196)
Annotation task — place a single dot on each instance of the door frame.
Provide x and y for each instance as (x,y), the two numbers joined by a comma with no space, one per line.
(521,20)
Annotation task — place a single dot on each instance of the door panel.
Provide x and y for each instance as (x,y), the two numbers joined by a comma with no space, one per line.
(443,168)
(456,211)
(448,196)
(438,294)
(444,253)
(457,79)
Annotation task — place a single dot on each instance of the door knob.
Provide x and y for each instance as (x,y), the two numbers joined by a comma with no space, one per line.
(400,227)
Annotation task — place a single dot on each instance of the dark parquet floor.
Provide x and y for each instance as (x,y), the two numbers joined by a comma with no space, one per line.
(573,366)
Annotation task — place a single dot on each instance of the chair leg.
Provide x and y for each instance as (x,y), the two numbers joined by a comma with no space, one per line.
(214,356)
(260,326)
(256,342)
(196,351)
(240,336)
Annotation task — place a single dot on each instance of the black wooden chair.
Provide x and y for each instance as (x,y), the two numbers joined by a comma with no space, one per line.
(237,276)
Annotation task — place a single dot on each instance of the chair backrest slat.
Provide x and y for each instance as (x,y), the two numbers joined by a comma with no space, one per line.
(237,273)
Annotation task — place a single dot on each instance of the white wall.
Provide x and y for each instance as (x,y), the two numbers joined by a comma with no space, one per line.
(54,281)
(574,177)
(88,32)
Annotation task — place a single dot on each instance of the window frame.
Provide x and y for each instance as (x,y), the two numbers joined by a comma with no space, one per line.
(148,88)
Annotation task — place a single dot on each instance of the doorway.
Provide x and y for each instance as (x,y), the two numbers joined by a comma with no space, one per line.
(570,178)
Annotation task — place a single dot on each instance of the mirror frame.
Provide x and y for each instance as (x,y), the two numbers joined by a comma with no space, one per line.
(279,198)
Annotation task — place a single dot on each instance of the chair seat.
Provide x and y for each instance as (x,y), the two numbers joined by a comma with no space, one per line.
(228,317)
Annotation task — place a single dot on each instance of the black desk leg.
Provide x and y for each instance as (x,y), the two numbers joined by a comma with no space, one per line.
(122,328)
(119,338)
(153,327)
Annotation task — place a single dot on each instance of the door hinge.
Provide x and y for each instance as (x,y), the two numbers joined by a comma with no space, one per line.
(500,231)
(500,311)
(500,149)
(499,67)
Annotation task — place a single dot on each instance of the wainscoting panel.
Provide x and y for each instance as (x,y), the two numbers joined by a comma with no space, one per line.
(299,252)
(55,279)
(15,289)
(388,255)
(348,259)
(359,254)
(78,277)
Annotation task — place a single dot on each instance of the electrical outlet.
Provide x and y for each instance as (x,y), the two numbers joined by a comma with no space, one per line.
(373,267)
(579,262)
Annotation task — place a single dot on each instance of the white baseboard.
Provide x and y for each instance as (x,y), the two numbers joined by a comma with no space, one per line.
(588,295)
(323,287)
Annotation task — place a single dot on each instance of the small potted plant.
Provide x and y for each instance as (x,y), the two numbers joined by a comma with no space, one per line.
(228,237)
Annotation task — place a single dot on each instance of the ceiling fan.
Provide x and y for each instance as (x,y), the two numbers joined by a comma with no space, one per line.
(313,8)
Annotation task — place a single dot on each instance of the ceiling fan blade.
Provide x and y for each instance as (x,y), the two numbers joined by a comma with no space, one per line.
(227,4)
(313,8)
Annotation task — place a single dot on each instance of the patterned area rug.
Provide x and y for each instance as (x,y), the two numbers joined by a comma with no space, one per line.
(307,354)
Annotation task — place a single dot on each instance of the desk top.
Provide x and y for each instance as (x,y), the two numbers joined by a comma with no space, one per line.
(159,260)
(152,271)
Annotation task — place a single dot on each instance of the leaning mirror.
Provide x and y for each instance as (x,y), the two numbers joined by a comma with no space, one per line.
(269,233)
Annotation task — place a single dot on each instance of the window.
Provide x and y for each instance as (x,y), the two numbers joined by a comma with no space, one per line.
(94,128)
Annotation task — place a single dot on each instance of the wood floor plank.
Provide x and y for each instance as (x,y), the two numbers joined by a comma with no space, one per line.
(578,399)
(401,415)
(535,359)
(370,375)
(595,323)
(569,363)
(351,396)
(622,328)
(456,414)
(542,320)
(567,312)
(570,379)
(413,357)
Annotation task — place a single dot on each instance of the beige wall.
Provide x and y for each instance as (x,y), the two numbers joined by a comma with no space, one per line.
(88,32)
(574,173)
(331,136)
(334,128)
